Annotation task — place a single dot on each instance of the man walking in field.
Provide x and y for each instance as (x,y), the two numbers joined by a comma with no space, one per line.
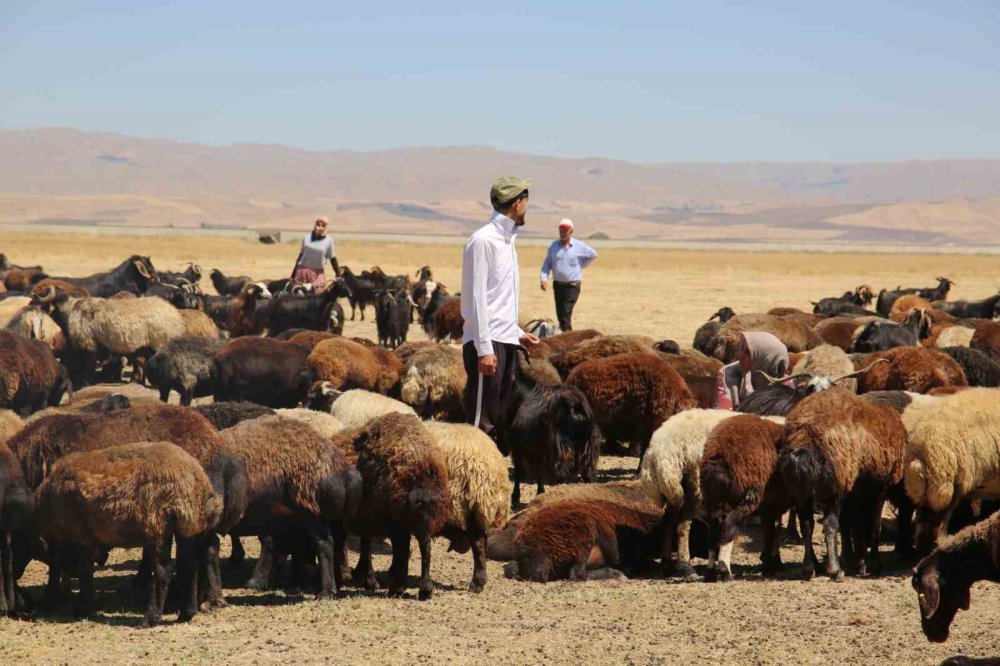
(490,294)
(566,260)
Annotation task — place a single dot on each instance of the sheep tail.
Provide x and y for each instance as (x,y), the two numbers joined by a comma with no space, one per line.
(802,470)
(716,479)
(236,495)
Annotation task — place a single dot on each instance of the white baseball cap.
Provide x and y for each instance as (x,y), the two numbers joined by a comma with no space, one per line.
(566,222)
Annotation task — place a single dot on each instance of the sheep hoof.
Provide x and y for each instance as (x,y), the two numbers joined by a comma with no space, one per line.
(722,573)
(149,621)
(510,570)
(425,595)
(211,605)
(326,596)
(476,586)
(838,576)
(808,572)
(257,585)
(186,615)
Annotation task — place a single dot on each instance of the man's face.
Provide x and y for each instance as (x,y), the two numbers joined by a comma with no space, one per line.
(320,229)
(518,211)
(565,233)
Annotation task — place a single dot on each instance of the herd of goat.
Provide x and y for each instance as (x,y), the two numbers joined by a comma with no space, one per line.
(313,436)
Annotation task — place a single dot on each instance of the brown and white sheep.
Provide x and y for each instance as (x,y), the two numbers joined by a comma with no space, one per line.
(433,383)
(132,495)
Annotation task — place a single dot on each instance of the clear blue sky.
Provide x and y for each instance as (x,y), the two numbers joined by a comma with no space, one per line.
(643,81)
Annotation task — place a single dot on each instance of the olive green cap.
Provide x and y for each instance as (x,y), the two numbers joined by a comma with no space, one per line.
(507,188)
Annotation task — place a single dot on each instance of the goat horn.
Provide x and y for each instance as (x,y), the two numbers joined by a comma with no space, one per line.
(141,267)
(782,380)
(858,373)
(47,295)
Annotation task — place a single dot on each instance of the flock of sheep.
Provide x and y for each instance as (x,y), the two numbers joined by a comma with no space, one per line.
(313,436)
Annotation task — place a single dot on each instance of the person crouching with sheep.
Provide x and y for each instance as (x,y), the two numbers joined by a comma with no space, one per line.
(760,353)
(317,249)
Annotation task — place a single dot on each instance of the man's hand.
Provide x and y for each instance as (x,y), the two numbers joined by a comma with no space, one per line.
(529,340)
(488,365)
(545,285)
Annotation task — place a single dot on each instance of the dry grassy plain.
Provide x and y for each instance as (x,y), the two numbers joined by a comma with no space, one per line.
(663,294)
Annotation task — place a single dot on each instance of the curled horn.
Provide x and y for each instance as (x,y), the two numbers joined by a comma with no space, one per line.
(47,295)
(858,373)
(141,267)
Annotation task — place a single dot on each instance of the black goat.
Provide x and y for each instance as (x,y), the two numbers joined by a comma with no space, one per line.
(984,309)
(315,312)
(228,286)
(550,432)
(190,275)
(362,291)
(887,297)
(436,300)
(938,293)
(884,335)
(852,302)
(392,317)
(133,275)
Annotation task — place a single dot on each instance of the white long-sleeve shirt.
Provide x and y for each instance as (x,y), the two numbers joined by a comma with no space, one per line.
(490,286)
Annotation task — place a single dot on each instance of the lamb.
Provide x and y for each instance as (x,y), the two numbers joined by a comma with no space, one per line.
(347,364)
(433,383)
(448,321)
(479,489)
(354,408)
(549,430)
(737,477)
(224,415)
(978,368)
(844,453)
(600,347)
(953,456)
(30,376)
(585,539)
(631,395)
(185,365)
(943,579)
(669,475)
(406,495)
(294,475)
(16,506)
(262,370)
(915,369)
(143,494)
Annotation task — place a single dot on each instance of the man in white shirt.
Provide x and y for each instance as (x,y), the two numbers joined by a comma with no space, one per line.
(490,293)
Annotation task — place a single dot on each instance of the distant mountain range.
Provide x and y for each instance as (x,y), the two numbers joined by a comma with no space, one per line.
(65,176)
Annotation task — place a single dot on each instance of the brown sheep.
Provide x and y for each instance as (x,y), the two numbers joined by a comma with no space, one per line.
(347,364)
(448,321)
(565,341)
(405,495)
(794,333)
(391,366)
(16,504)
(406,350)
(310,338)
(143,494)
(30,376)
(901,308)
(839,331)
(22,279)
(692,363)
(915,369)
(737,477)
(294,475)
(943,579)
(198,324)
(581,539)
(600,347)
(844,453)
(267,371)
(986,338)
(631,395)
(61,286)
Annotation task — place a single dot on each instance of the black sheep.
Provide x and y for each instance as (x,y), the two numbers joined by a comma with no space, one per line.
(362,291)
(314,312)
(980,369)
(392,317)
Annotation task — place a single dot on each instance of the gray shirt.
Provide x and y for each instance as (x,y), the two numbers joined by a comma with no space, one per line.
(315,253)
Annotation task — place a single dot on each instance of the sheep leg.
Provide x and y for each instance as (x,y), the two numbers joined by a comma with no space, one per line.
(932,526)
(904,526)
(478,541)
(770,554)
(236,554)
(187,395)
(364,573)
(339,555)
(426,588)
(398,570)
(792,531)
(8,597)
(874,532)
(515,498)
(53,594)
(728,532)
(85,572)
(141,581)
(806,522)
(212,574)
(324,551)
(164,393)
(161,580)
(261,578)
(669,522)
(831,525)
(714,538)
(187,578)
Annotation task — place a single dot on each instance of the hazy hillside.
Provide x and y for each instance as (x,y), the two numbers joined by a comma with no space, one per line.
(73,177)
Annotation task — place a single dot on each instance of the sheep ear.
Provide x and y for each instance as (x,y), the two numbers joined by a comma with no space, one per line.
(139,266)
(929,593)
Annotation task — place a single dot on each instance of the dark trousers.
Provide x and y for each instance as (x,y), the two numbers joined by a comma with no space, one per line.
(566,294)
(483,395)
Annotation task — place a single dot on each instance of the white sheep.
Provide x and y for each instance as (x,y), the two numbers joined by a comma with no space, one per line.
(827,361)
(480,490)
(356,407)
(120,326)
(325,424)
(954,336)
(33,324)
(953,454)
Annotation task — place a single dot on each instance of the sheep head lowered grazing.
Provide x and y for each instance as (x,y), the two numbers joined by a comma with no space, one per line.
(943,578)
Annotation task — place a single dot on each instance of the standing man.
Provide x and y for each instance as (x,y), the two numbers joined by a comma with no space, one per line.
(566,259)
(490,284)
(317,249)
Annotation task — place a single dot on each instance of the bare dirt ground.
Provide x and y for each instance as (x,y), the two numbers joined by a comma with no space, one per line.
(872,620)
